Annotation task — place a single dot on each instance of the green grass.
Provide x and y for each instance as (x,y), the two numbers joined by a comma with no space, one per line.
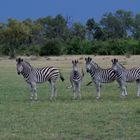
(110,118)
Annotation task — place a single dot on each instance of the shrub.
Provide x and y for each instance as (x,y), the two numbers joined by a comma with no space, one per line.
(29,50)
(74,46)
(4,50)
(51,47)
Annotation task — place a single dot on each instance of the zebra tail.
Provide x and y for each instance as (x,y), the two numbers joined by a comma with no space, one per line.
(89,83)
(61,77)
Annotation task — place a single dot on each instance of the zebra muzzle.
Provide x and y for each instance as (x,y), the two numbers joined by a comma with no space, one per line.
(18,73)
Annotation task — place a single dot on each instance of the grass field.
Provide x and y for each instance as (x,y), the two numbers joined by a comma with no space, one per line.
(110,118)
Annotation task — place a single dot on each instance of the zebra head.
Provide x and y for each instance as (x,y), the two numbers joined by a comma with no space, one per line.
(90,65)
(116,66)
(19,65)
(75,65)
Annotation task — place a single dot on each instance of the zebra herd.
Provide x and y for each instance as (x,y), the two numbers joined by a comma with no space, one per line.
(98,75)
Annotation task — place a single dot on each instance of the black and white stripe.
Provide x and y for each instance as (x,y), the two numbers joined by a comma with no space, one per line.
(124,75)
(99,75)
(38,75)
(76,78)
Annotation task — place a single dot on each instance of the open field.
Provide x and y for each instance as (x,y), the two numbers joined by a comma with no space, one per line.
(110,118)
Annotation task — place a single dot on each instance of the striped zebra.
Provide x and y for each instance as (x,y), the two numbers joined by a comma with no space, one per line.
(99,75)
(38,75)
(124,75)
(75,79)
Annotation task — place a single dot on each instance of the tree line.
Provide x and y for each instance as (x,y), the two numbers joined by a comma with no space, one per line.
(116,33)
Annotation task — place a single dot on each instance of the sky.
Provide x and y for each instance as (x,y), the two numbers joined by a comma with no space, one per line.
(77,10)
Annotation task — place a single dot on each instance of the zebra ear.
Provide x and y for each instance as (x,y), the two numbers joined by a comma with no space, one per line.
(72,61)
(18,60)
(116,60)
(112,60)
(76,61)
(89,58)
(21,60)
(85,59)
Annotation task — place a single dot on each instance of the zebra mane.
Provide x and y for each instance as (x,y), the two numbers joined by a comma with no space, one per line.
(122,66)
(28,64)
(95,64)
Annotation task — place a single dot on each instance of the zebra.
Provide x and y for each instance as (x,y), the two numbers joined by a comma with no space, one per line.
(124,75)
(75,79)
(38,75)
(99,75)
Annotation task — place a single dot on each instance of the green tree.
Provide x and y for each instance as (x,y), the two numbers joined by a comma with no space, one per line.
(117,25)
(99,33)
(90,26)
(111,25)
(78,30)
(136,27)
(14,35)
(125,19)
(56,27)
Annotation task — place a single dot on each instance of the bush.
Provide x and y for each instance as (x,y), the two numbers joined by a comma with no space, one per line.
(78,46)
(51,47)
(4,50)
(29,50)
(74,46)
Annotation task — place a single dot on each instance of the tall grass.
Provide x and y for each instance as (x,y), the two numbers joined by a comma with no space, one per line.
(110,118)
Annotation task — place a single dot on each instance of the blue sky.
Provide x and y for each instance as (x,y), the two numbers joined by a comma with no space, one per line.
(78,10)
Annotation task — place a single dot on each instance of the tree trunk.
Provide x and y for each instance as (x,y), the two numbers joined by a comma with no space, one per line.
(12,53)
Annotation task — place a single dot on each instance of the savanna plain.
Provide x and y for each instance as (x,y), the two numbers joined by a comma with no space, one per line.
(110,118)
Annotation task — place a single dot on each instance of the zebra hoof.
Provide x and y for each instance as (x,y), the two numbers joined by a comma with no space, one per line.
(31,99)
(52,99)
(35,100)
(69,87)
(122,96)
(97,98)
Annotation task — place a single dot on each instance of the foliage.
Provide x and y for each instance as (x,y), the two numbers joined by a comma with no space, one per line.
(51,47)
(74,46)
(13,35)
(116,33)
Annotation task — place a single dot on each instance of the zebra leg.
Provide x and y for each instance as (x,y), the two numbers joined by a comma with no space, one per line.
(138,83)
(97,90)
(125,91)
(74,91)
(31,92)
(53,88)
(122,88)
(55,91)
(79,93)
(34,91)
(71,86)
